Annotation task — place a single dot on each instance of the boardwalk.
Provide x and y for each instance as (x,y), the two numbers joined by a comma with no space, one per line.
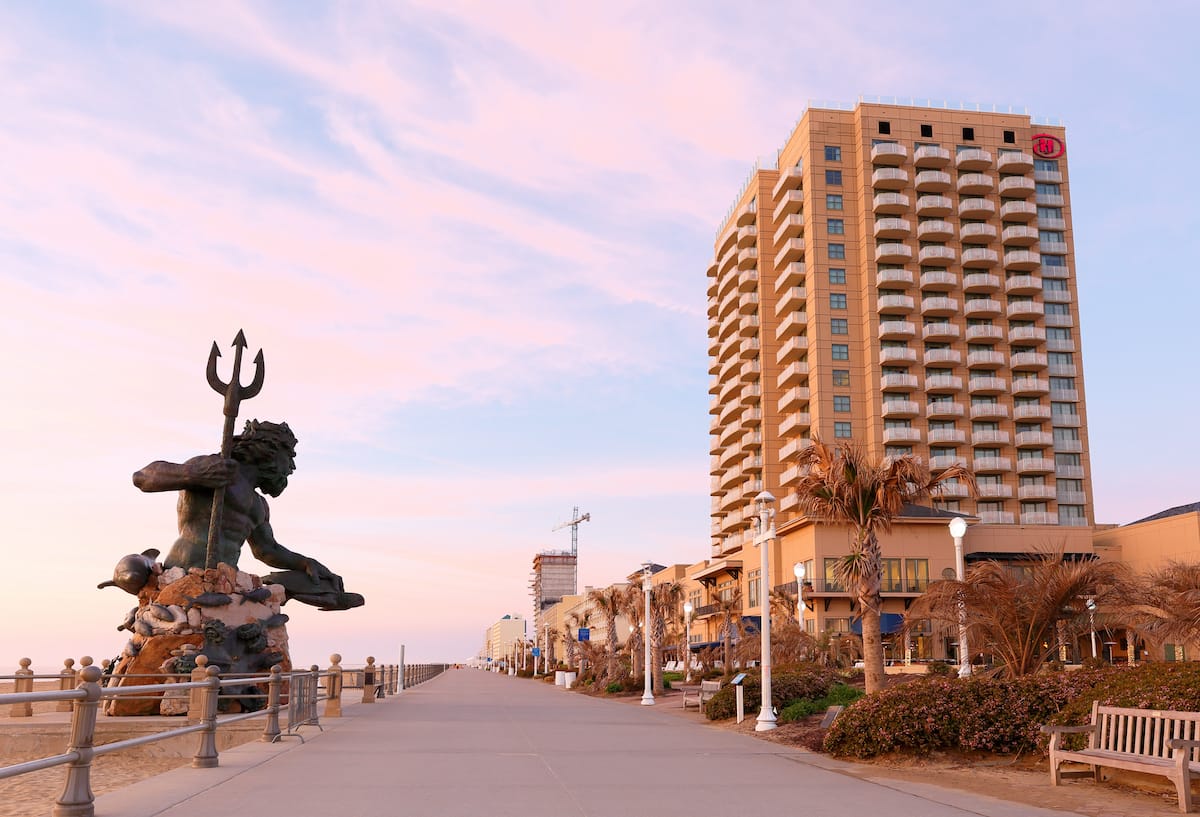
(472,743)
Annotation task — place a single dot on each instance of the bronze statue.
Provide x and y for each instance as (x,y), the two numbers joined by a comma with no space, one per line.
(262,458)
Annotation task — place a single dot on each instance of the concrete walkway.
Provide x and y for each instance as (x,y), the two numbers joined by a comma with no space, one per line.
(474,743)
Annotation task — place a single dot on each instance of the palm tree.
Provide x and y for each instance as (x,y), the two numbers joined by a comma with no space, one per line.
(607,602)
(574,622)
(730,611)
(1024,614)
(633,606)
(665,601)
(1162,605)
(842,485)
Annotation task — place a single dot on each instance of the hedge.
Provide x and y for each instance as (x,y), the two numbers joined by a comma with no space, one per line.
(788,684)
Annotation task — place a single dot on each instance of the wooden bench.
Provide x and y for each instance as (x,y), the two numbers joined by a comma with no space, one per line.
(699,696)
(1139,740)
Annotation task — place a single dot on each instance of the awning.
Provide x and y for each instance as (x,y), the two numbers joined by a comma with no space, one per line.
(888,623)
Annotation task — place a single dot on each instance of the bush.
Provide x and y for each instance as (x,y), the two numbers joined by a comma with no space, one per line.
(839,695)
(1094,663)
(787,685)
(1156,685)
(615,686)
(938,669)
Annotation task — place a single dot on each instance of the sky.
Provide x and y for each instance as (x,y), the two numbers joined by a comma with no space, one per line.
(471,241)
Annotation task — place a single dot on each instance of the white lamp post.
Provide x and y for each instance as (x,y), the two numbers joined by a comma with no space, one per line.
(546,648)
(766,534)
(1091,605)
(798,569)
(648,695)
(687,626)
(958,529)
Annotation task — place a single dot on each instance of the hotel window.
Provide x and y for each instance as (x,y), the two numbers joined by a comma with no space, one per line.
(1071,515)
(833,201)
(841,351)
(1046,164)
(885,127)
(837,625)
(1060,359)
(836,226)
(1068,484)
(1010,137)
(926,131)
(839,326)
(1066,459)
(1062,383)
(1054,285)
(753,587)
(841,377)
(841,402)
(837,275)
(893,579)
(1058,309)
(842,431)
(991,507)
(835,177)
(968,134)
(893,451)
(837,251)
(1053,261)
(1063,409)
(916,574)
(1066,435)
(1049,212)
(832,585)
(833,153)
(1042,189)
(1052,236)
(837,300)
(1057,333)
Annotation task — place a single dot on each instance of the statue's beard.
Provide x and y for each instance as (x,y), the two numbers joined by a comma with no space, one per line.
(272,482)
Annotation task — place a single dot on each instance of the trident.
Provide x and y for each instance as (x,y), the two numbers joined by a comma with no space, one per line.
(234,393)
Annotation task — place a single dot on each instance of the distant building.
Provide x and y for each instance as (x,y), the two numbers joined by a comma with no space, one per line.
(502,638)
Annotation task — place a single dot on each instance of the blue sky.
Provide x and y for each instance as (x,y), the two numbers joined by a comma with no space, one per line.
(471,241)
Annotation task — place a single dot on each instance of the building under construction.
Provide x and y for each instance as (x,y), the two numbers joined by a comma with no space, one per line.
(553,577)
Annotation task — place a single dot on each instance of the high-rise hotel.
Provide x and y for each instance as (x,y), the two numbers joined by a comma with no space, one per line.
(903,278)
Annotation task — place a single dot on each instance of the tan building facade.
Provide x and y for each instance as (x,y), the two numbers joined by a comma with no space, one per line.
(501,639)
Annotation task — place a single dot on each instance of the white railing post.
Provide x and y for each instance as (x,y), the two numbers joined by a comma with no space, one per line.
(368,696)
(22,682)
(206,752)
(333,688)
(314,693)
(77,799)
(274,687)
(66,681)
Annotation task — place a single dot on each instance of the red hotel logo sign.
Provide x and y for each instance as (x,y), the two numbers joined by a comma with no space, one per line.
(1047,146)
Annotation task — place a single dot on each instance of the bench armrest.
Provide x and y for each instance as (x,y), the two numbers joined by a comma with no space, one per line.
(1050,729)
(1180,743)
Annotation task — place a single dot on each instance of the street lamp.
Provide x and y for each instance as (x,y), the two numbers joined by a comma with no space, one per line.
(1091,605)
(687,626)
(958,529)
(766,534)
(798,569)
(546,648)
(648,695)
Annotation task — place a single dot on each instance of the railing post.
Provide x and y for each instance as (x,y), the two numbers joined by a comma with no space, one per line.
(333,688)
(77,799)
(66,681)
(23,682)
(196,698)
(369,681)
(206,753)
(314,682)
(402,679)
(274,688)
(381,687)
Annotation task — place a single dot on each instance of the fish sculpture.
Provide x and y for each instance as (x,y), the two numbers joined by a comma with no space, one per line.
(133,571)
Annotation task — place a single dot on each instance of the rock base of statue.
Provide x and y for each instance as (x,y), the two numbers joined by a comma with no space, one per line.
(230,617)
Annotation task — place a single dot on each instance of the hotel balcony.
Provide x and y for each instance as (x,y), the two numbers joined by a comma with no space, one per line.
(935,230)
(897,381)
(950,490)
(1065,420)
(793,399)
(995,491)
(889,178)
(790,299)
(748,326)
(1050,199)
(933,205)
(897,330)
(791,475)
(1035,465)
(1027,360)
(1072,498)
(1060,320)
(892,228)
(893,253)
(931,156)
(1034,439)
(791,250)
(795,423)
(981,308)
(943,409)
(791,227)
(894,409)
(975,184)
(890,203)
(1042,518)
(943,356)
(980,282)
(791,178)
(793,324)
(1022,260)
(933,181)
(943,383)
(995,517)
(973,159)
(889,153)
(991,465)
(1064,395)
(1016,187)
(1031,412)
(942,330)
(747,258)
(793,375)
(791,349)
(939,307)
(747,303)
(985,360)
(894,354)
(935,254)
(1068,446)
(1063,370)
(990,438)
(1026,309)
(1036,492)
(1023,285)
(790,202)
(1019,234)
(752,464)
(747,236)
(1018,211)
(732,476)
(976,208)
(1014,162)
(789,501)
(979,257)
(1054,296)
(1048,176)
(941,463)
(984,333)
(979,231)
(748,278)
(749,347)
(1030,385)
(1034,333)
(793,447)
(895,303)
(946,435)
(1052,223)
(938,279)
(1069,471)
(894,277)
(747,215)
(986,385)
(792,275)
(902,435)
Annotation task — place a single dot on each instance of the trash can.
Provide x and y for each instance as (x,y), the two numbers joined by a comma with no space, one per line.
(569,679)
(560,678)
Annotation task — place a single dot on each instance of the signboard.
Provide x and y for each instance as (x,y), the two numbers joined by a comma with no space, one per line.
(585,634)
(737,679)
(537,652)
(1046,146)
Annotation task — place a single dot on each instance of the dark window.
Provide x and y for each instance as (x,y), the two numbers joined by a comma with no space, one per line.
(1010,137)
(968,134)
(837,276)
(837,300)
(841,377)
(833,201)
(885,127)
(839,326)
(836,226)
(842,431)
(837,250)
(833,153)
(841,351)
(833,177)
(841,402)
(927,130)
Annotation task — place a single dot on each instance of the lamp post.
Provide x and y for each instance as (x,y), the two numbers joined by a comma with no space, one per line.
(1091,605)
(798,569)
(766,534)
(687,652)
(647,695)
(958,529)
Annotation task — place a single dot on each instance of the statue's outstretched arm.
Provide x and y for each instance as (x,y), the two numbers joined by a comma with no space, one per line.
(206,471)
(270,552)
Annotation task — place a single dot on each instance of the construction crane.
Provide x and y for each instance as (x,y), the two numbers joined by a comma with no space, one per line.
(573,524)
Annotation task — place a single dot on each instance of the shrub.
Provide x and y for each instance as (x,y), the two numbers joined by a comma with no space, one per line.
(1094,663)
(938,668)
(839,695)
(787,685)
(615,686)
(1156,685)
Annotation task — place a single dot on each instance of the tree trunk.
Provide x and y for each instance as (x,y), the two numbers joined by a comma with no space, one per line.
(872,646)
(656,674)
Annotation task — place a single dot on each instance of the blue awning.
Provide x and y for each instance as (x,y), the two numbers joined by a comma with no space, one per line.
(888,623)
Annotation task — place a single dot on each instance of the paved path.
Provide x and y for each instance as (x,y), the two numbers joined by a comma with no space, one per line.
(476,743)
